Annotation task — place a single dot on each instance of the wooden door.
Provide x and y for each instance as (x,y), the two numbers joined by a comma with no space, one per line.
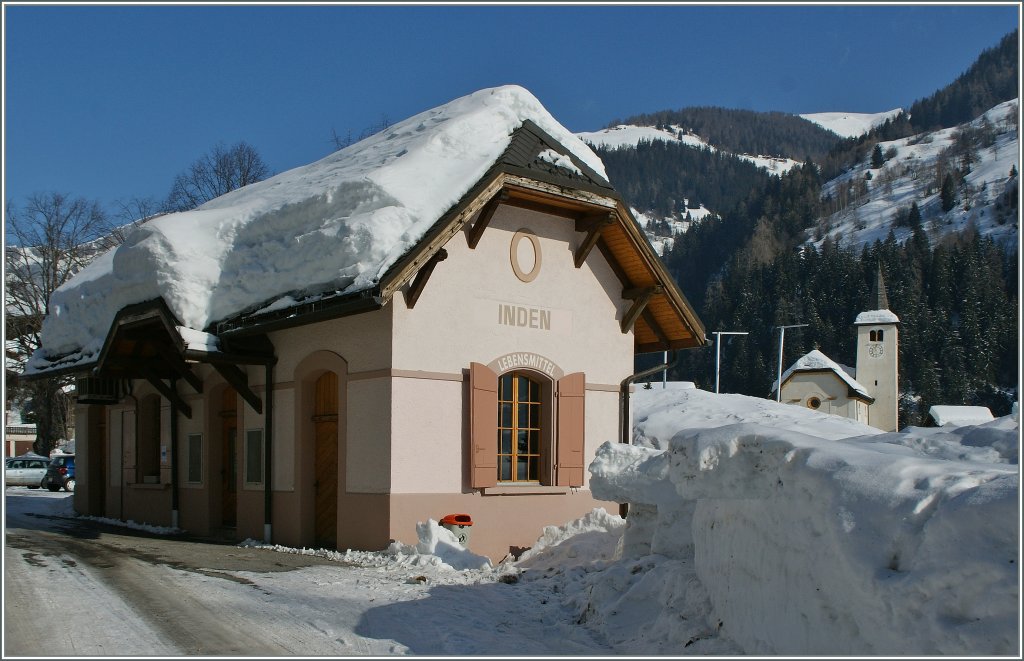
(325,484)
(229,459)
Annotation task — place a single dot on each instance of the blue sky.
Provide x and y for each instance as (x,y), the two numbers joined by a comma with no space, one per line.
(110,102)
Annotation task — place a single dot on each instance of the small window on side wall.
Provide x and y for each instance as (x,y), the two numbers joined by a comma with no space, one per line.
(254,456)
(195,458)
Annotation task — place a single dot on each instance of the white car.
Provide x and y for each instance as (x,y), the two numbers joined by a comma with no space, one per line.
(25,472)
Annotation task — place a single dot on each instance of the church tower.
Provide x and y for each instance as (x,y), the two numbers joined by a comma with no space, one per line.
(878,357)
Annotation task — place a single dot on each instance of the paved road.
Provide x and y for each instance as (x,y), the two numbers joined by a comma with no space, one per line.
(59,571)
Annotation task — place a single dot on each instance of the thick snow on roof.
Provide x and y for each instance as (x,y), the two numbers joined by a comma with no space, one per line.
(959,416)
(335,225)
(816,360)
(876,317)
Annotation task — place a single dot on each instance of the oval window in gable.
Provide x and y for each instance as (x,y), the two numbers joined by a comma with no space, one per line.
(525,255)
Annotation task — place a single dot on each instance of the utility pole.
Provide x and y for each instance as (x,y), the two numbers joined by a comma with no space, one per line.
(718,349)
(782,334)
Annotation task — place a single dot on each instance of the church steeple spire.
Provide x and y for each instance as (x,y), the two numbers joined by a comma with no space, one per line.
(879,299)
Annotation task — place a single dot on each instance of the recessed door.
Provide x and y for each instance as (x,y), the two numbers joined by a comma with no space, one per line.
(325,484)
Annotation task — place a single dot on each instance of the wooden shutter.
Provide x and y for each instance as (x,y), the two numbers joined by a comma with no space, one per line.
(571,397)
(483,426)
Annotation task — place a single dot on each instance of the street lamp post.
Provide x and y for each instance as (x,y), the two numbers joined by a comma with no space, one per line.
(718,349)
(778,380)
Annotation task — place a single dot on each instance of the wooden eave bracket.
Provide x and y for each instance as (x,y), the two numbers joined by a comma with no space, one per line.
(178,364)
(238,380)
(412,294)
(640,296)
(168,392)
(593,226)
(486,214)
(655,328)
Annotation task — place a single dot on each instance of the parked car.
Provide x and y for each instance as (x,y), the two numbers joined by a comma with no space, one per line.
(25,472)
(61,473)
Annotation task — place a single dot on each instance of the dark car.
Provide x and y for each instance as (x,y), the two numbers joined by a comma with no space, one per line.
(61,473)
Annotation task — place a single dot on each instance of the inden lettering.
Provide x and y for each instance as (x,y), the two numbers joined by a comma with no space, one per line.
(515,315)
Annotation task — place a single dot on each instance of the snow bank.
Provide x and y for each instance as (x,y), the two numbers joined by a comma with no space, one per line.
(800,544)
(334,226)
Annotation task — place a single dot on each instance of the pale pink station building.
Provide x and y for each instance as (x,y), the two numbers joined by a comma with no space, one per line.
(439,319)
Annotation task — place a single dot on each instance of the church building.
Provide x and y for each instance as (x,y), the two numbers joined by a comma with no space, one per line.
(868,393)
(439,319)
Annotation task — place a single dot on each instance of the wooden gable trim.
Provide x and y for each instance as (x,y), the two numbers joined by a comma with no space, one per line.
(420,281)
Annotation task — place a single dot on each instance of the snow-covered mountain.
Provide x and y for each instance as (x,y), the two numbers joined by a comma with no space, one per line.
(865,203)
(850,124)
(625,135)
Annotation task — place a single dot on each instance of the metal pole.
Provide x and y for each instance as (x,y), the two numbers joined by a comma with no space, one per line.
(664,375)
(778,380)
(718,354)
(718,349)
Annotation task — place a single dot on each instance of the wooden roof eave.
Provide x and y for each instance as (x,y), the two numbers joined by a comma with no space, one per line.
(671,292)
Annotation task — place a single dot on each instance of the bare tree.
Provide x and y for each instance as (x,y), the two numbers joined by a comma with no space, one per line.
(54,236)
(220,171)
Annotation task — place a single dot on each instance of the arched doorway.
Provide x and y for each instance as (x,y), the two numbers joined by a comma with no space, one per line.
(229,457)
(325,461)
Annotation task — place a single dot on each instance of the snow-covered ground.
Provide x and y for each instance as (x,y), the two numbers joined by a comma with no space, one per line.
(909,175)
(754,528)
(850,124)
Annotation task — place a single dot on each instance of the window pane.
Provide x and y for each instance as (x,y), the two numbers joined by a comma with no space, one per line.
(505,441)
(534,392)
(524,389)
(506,415)
(534,467)
(522,469)
(524,415)
(535,442)
(505,387)
(505,468)
(522,442)
(254,455)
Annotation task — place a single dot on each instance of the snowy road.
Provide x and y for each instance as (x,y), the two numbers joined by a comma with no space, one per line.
(79,587)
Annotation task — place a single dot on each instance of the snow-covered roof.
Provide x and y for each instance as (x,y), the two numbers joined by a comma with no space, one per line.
(816,361)
(876,317)
(331,227)
(959,416)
